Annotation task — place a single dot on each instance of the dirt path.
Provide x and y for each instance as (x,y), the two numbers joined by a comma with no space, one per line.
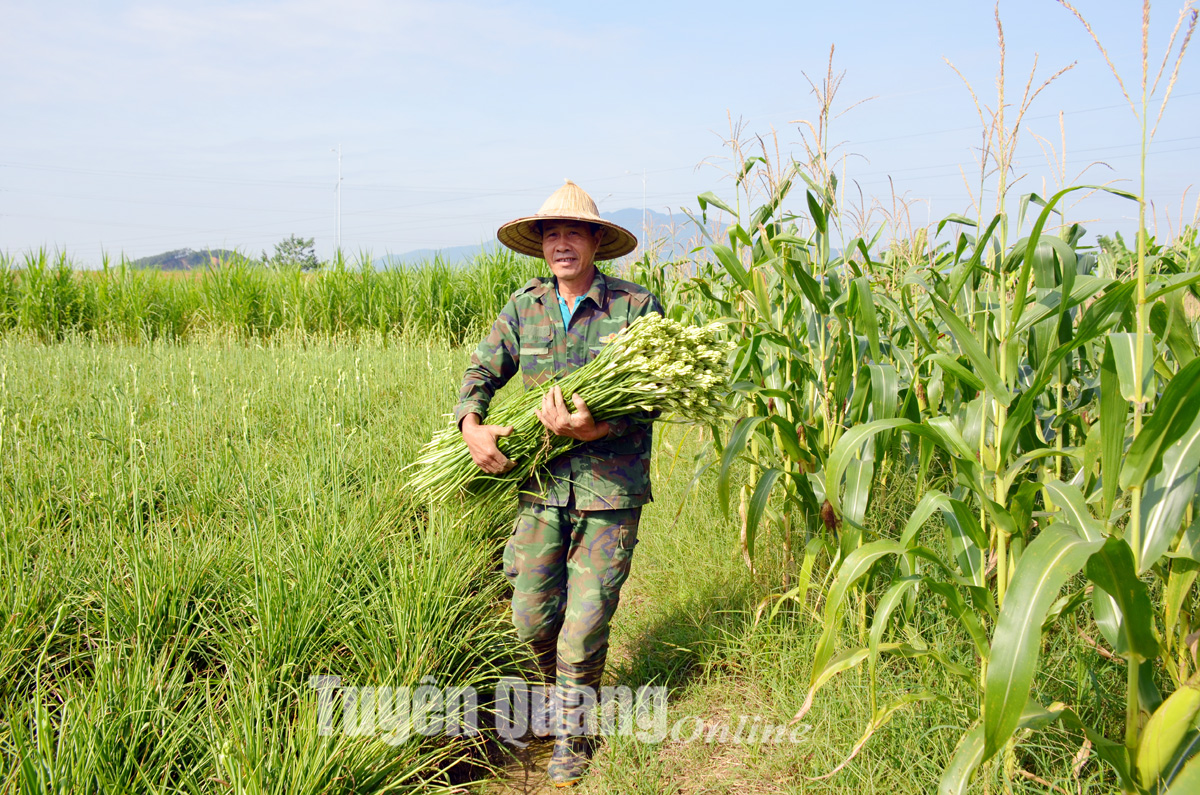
(525,771)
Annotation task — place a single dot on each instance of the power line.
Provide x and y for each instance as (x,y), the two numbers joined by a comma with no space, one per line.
(976,126)
(459,195)
(160,176)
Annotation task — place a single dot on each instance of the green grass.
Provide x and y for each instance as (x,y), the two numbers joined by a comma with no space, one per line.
(192,530)
(44,296)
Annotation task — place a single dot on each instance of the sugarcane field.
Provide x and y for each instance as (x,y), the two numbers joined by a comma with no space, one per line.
(821,416)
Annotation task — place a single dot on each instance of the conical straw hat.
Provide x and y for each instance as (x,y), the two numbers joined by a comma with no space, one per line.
(568,203)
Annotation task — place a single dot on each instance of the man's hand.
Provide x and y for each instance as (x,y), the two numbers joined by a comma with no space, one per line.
(481,442)
(555,415)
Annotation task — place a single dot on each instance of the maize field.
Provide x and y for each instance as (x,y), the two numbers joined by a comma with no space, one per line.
(203,505)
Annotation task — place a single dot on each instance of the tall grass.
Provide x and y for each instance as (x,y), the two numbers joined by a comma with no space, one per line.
(43,295)
(189,532)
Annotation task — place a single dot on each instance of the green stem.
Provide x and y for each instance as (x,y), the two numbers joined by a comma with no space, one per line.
(1135,494)
(1131,707)
(1062,430)
(1001,565)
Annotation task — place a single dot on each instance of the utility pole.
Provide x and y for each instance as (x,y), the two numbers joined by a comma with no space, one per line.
(339,198)
(645,215)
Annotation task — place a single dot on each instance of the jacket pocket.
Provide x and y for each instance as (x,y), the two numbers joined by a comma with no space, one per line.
(536,340)
(536,353)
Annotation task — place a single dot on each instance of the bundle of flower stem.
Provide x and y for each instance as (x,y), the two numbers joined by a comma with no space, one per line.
(654,364)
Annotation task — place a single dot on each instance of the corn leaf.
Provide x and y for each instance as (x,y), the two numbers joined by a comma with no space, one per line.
(849,658)
(859,475)
(761,300)
(737,443)
(956,369)
(962,274)
(1111,570)
(883,611)
(1052,558)
(1021,294)
(1104,313)
(1018,466)
(868,318)
(1084,288)
(816,211)
(808,285)
(843,661)
(787,436)
(954,218)
(1171,284)
(1165,732)
(885,391)
(1175,413)
(1170,323)
(758,502)
(879,719)
(1113,409)
(951,437)
(847,447)
(930,502)
(970,751)
(964,542)
(965,614)
(1034,717)
(1073,509)
(1134,384)
(854,567)
(732,265)
(1187,756)
(1179,587)
(705,199)
(1165,499)
(763,213)
(974,352)
(799,592)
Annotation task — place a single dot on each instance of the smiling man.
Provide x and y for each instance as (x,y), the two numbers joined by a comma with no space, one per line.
(577,521)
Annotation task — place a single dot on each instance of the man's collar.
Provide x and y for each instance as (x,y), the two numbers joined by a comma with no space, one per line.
(598,292)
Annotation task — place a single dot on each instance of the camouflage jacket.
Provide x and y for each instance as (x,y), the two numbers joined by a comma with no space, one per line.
(613,472)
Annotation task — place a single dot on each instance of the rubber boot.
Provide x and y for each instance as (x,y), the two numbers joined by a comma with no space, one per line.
(578,691)
(544,705)
(573,747)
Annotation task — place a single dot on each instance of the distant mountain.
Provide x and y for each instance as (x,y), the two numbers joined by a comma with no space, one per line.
(452,255)
(670,234)
(185,259)
(657,231)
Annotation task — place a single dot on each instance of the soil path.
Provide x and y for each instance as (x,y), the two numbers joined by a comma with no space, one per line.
(525,771)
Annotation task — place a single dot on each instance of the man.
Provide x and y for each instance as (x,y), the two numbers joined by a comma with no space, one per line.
(577,522)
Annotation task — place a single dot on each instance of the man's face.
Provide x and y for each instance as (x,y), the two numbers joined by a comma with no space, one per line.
(569,247)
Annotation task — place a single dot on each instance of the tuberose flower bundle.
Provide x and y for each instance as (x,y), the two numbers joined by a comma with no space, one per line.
(654,364)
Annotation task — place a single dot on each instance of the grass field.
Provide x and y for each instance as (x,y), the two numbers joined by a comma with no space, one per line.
(191,531)
(947,527)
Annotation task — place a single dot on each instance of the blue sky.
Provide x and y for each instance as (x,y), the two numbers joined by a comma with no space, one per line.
(139,127)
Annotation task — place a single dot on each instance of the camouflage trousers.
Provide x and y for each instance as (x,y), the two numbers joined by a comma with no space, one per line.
(566,568)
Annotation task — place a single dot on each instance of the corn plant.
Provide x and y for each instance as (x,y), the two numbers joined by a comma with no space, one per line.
(1030,368)
(1030,446)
